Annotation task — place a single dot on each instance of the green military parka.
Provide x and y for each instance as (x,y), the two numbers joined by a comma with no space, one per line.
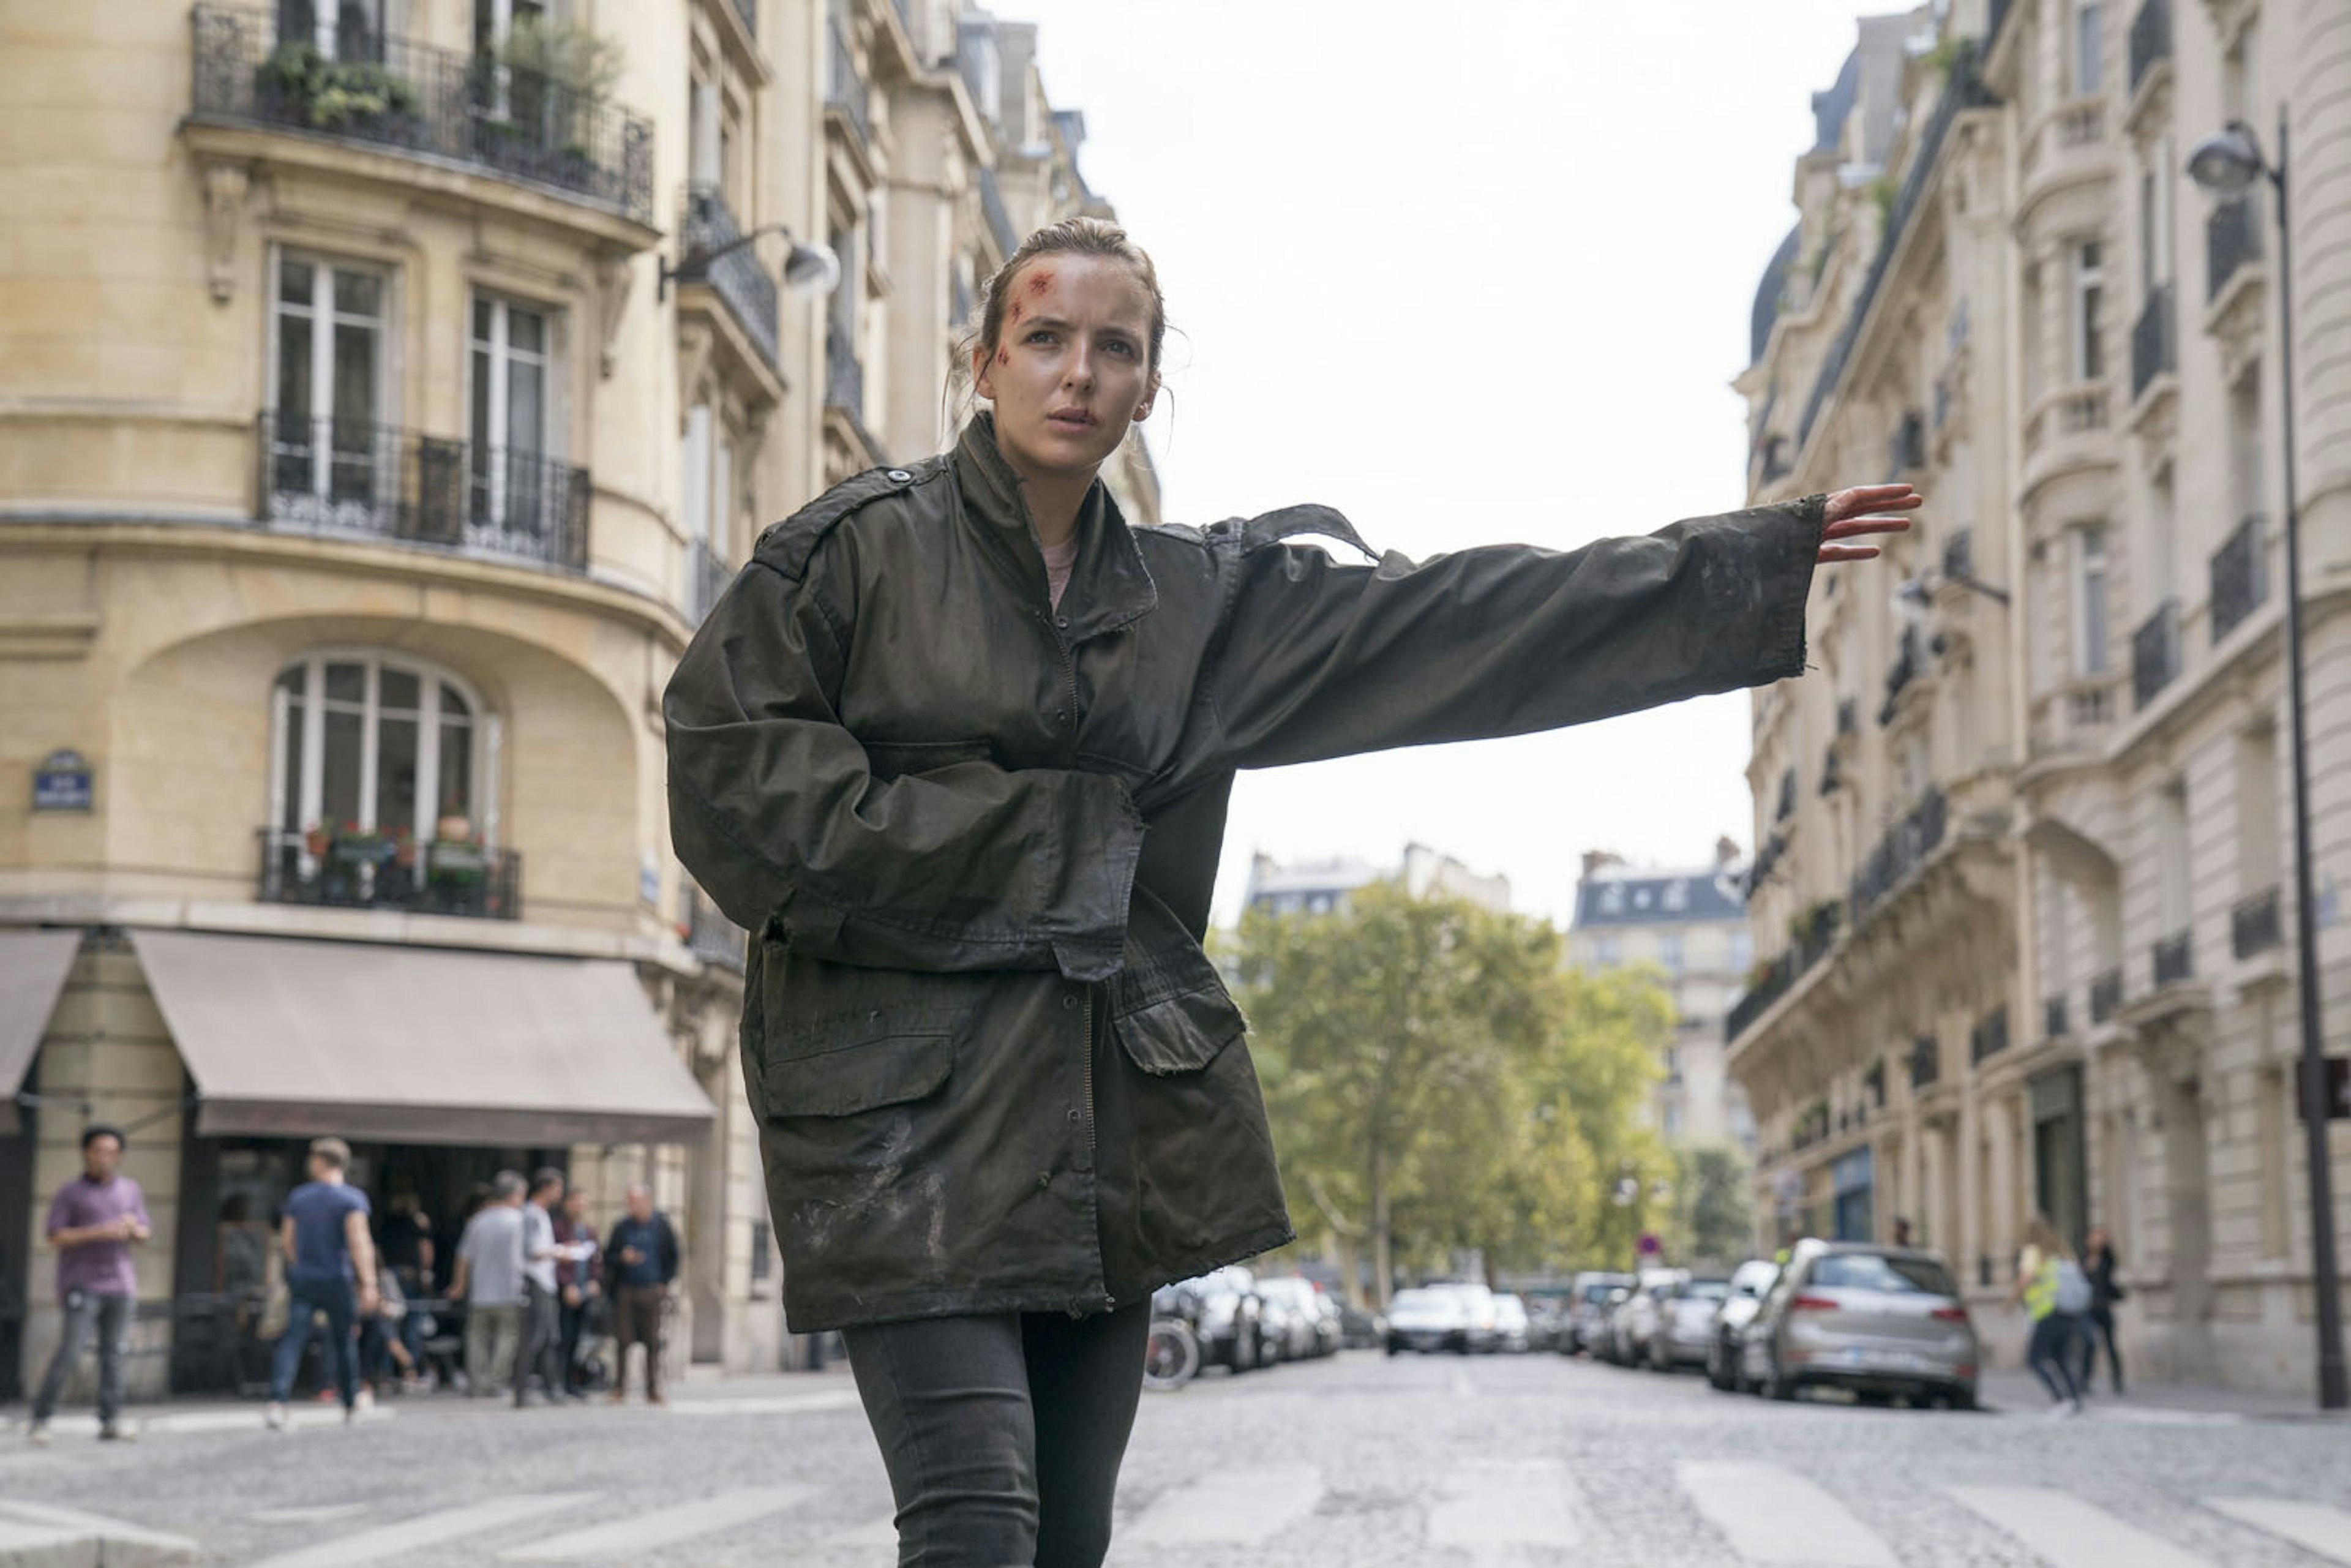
(974,838)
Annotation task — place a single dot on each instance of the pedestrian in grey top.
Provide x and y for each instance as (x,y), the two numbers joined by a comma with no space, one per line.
(94,1221)
(488,1278)
(542,1319)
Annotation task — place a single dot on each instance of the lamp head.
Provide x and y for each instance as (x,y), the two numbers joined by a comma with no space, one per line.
(811,269)
(2226,163)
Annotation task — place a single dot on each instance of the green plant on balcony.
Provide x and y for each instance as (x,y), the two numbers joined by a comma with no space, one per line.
(334,95)
(1885,193)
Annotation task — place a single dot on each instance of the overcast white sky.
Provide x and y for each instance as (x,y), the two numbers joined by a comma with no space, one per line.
(1469,273)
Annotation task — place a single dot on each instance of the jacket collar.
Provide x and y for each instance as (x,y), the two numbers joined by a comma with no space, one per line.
(1109,586)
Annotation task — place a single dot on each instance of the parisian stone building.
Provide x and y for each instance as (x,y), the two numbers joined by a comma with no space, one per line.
(1688,924)
(2023,896)
(381,410)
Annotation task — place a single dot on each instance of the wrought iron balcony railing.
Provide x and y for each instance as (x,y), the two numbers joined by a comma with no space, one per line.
(1848,716)
(1959,554)
(1905,449)
(1787,807)
(2254,923)
(844,375)
(2150,40)
(2155,347)
(737,277)
(273,67)
(1909,660)
(1902,850)
(2053,1017)
(2105,995)
(710,574)
(710,936)
(2173,961)
(2154,652)
(1925,1061)
(2232,236)
(2240,575)
(352,868)
(844,89)
(338,476)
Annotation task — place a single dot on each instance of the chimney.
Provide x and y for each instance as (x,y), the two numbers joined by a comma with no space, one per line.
(1726,850)
(1595,859)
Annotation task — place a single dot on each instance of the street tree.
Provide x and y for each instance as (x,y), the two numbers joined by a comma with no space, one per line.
(1439,1083)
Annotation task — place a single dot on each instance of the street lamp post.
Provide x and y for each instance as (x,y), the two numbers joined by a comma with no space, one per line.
(2226,166)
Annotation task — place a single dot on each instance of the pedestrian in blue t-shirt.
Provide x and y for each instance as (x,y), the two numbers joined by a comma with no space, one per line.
(330,1268)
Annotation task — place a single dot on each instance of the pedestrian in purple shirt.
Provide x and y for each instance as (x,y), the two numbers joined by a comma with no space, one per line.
(93,1221)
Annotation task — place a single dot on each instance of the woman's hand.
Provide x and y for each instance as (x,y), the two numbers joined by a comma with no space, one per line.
(1865,509)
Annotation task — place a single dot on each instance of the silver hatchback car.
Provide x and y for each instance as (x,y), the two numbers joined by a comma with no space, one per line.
(1880,1320)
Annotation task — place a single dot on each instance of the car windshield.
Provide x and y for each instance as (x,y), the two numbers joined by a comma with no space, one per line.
(1874,1271)
(1599,1291)
(1706,1290)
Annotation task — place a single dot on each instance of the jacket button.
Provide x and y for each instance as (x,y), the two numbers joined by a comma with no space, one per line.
(1044,1178)
(899,477)
(1067,1003)
(1062,622)
(1061,715)
(1073,1115)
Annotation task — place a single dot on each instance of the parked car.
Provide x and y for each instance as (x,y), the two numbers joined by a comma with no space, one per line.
(1510,1324)
(1447,1314)
(1749,1283)
(1587,1309)
(1360,1328)
(1229,1316)
(1880,1320)
(1546,1322)
(1685,1322)
(1634,1318)
(1309,1319)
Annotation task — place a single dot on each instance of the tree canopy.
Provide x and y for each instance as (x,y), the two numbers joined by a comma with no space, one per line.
(1438,1081)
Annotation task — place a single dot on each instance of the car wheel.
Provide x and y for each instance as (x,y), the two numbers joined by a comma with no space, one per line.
(1875,1399)
(1962,1399)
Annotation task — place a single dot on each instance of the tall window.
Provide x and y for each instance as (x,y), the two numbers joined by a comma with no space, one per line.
(2162,573)
(339,29)
(381,743)
(1669,951)
(2245,468)
(2089,46)
(2092,630)
(328,366)
(695,461)
(2155,218)
(2257,810)
(510,419)
(2171,857)
(2089,306)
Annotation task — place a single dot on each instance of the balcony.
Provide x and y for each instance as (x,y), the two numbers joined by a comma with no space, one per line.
(708,576)
(709,935)
(845,92)
(2172,960)
(1909,660)
(2105,995)
(1787,797)
(2074,719)
(2240,576)
(418,101)
(1814,934)
(2155,654)
(1906,448)
(336,478)
(1900,852)
(2155,341)
(2072,411)
(707,224)
(1959,554)
(2069,429)
(1990,1037)
(2254,926)
(1848,718)
(2053,1017)
(1925,1061)
(2150,40)
(2232,236)
(352,868)
(2069,128)
(844,374)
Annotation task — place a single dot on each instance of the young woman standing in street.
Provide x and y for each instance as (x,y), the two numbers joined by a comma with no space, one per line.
(957,747)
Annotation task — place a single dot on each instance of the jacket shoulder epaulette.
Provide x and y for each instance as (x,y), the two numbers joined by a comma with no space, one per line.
(1246,534)
(786,546)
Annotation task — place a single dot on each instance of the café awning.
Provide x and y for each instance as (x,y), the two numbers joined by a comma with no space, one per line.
(33,967)
(291,1037)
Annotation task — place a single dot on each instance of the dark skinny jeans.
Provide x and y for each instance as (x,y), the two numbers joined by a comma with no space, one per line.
(2051,1353)
(1002,1434)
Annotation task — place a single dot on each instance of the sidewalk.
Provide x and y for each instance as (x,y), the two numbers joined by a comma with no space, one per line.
(2013,1391)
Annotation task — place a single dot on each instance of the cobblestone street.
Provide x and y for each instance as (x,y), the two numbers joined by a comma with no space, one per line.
(1346,1463)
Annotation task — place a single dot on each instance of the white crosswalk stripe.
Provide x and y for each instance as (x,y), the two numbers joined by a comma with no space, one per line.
(393,1541)
(1530,1504)
(1230,1507)
(626,1538)
(2066,1532)
(2314,1526)
(1771,1514)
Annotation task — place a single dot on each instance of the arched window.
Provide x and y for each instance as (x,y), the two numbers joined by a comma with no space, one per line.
(381,743)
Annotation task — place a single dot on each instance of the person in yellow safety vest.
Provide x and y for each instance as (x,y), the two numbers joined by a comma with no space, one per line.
(2048,1295)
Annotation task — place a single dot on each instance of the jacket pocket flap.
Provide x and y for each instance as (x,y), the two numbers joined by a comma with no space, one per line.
(1172,1012)
(906,1063)
(898,759)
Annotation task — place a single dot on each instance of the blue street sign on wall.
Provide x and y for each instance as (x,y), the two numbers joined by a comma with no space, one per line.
(62,782)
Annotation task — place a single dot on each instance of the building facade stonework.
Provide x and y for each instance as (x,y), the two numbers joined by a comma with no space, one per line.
(2022,833)
(377,424)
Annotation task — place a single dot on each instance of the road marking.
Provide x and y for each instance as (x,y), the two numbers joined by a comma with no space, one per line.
(318,1515)
(249,1420)
(767,1404)
(410,1535)
(1534,1503)
(1229,1505)
(2064,1532)
(1773,1515)
(2314,1526)
(637,1533)
(83,1526)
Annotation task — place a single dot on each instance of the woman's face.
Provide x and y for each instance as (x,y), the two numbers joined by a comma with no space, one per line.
(1070,370)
